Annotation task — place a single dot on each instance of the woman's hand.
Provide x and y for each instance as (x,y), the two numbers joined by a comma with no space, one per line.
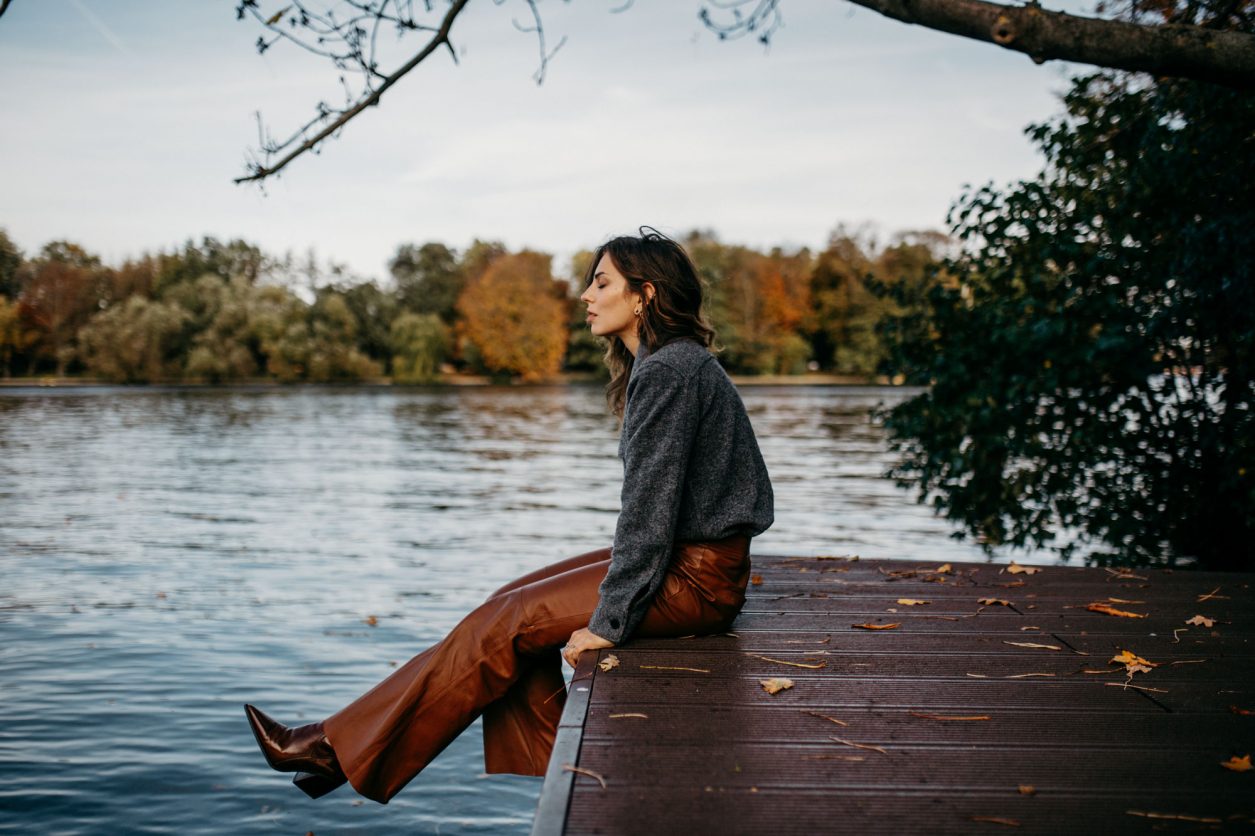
(581,640)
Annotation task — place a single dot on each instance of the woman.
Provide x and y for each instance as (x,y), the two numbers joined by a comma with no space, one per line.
(695,490)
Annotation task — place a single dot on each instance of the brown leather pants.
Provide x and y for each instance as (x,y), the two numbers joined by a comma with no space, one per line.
(502,661)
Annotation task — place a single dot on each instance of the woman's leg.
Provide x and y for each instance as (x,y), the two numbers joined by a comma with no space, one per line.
(386,736)
(579,561)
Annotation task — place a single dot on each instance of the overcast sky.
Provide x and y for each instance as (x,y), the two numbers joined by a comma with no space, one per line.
(125,122)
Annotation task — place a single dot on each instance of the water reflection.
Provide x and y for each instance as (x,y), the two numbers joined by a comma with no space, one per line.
(169,553)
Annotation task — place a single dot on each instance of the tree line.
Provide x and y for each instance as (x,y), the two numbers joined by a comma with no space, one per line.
(221,312)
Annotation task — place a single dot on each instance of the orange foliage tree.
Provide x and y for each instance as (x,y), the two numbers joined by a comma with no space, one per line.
(513,313)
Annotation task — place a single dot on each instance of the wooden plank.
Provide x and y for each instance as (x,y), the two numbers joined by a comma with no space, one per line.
(708,750)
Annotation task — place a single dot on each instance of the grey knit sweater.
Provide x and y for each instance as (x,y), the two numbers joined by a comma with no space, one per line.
(691,471)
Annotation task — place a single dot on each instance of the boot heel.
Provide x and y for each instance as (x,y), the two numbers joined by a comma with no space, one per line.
(316,786)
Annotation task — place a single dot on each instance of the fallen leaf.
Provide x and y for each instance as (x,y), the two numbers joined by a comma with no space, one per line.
(1030,627)
(566,767)
(944,569)
(1016,569)
(1201,621)
(878,626)
(915,602)
(867,746)
(775,684)
(994,601)
(672,668)
(1107,609)
(924,716)
(370,620)
(1132,669)
(793,664)
(1010,584)
(1128,658)
(1027,789)
(982,676)
(1236,764)
(996,820)
(1034,645)
(634,714)
(609,663)
(757,580)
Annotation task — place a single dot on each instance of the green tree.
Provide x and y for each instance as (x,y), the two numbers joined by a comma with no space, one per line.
(1093,369)
(429,279)
(134,342)
(225,347)
(10,260)
(420,343)
(584,352)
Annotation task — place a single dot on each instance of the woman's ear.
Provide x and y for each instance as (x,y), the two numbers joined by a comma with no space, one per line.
(648,289)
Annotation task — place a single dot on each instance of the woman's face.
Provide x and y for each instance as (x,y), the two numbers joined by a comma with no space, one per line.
(611,304)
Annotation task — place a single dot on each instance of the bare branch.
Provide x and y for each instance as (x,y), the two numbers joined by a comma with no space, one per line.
(1202,53)
(367,64)
(4,4)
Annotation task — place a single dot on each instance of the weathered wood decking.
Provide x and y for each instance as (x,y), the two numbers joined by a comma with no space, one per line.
(715,753)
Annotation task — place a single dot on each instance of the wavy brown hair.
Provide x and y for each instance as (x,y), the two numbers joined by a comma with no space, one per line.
(674,311)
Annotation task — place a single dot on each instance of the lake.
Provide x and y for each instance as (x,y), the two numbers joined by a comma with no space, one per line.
(168,554)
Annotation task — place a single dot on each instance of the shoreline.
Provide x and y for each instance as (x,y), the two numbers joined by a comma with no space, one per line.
(446,382)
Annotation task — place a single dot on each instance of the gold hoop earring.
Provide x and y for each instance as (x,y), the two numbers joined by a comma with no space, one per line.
(637,311)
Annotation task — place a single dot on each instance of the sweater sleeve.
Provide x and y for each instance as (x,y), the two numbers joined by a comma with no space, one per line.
(659,426)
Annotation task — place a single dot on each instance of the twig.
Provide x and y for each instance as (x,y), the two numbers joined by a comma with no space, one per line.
(672,668)
(791,664)
(868,746)
(922,715)
(826,717)
(566,767)
(1138,687)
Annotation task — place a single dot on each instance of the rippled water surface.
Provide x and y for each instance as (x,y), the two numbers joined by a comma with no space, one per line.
(169,554)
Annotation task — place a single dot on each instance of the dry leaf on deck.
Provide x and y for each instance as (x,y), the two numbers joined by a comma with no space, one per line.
(996,820)
(878,626)
(1034,645)
(1129,659)
(944,569)
(775,684)
(633,714)
(912,602)
(609,663)
(370,620)
(1242,764)
(756,580)
(994,601)
(1107,609)
(1016,569)
(1028,789)
(1201,621)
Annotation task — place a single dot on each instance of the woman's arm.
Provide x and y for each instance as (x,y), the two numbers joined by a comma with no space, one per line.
(659,426)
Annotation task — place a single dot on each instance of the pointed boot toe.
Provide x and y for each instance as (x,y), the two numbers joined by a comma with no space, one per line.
(300,749)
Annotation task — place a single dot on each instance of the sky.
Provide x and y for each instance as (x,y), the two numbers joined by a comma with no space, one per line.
(126,121)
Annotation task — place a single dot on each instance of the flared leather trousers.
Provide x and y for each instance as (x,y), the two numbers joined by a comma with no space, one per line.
(502,662)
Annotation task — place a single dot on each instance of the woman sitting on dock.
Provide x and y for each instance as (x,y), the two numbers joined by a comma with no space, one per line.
(695,490)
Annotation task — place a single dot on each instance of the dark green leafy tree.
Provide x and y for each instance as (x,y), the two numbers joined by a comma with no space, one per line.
(429,279)
(1091,361)
(420,342)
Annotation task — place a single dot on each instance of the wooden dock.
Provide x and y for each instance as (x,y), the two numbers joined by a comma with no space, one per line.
(995,706)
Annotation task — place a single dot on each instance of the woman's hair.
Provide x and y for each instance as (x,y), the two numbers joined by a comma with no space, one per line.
(674,311)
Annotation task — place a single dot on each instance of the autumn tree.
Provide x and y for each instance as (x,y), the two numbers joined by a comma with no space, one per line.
(515,316)
(66,285)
